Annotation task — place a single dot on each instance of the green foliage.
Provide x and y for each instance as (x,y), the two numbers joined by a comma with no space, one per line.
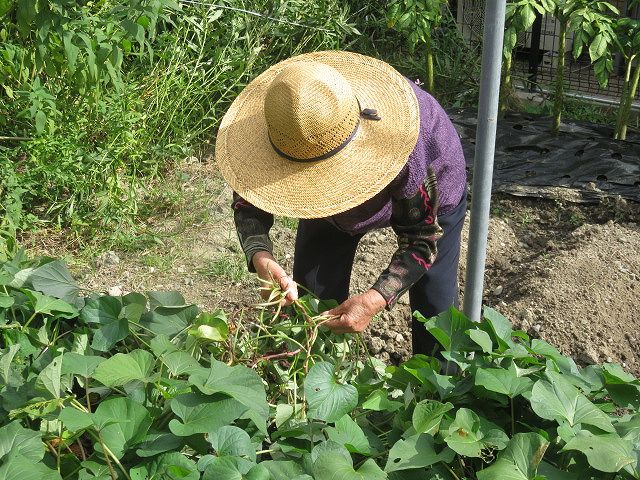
(276,396)
(96,95)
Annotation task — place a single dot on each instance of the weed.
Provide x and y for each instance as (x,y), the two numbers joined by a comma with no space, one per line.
(231,267)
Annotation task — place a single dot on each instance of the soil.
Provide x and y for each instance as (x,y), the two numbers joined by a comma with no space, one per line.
(566,273)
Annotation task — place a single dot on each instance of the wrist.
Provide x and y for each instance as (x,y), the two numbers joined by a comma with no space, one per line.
(375,300)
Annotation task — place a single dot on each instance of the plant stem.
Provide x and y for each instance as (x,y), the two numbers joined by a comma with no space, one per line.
(559,93)
(451,471)
(429,67)
(29,321)
(513,418)
(623,97)
(505,86)
(627,108)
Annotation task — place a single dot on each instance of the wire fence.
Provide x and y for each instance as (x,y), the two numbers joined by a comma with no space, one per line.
(536,53)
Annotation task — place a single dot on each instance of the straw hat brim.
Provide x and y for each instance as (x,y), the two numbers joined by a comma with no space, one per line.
(369,162)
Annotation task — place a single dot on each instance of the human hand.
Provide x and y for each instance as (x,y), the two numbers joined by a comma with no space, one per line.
(268,269)
(356,312)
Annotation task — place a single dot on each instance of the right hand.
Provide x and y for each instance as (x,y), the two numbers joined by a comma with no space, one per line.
(268,269)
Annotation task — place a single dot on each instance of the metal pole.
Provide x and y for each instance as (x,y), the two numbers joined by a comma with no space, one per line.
(483,162)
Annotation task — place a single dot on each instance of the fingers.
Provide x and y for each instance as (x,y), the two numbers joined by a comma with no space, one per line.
(290,288)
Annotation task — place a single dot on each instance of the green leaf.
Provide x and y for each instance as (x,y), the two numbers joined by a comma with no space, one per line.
(19,467)
(169,320)
(482,338)
(505,381)
(348,433)
(50,377)
(598,47)
(519,460)
(284,469)
(203,414)
(6,360)
(180,363)
(416,451)
(16,439)
(469,434)
(54,279)
(165,299)
(328,399)
(607,453)
(46,305)
(499,326)
(75,420)
(614,374)
(105,311)
(450,329)
(123,368)
(233,441)
(41,121)
(428,414)
(211,327)
(5,7)
(559,400)
(239,382)
(169,466)
(6,300)
(83,365)
(228,468)
(332,465)
(549,472)
(123,424)
(378,401)
(159,442)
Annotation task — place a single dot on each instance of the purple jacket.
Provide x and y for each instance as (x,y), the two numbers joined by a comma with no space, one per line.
(438,147)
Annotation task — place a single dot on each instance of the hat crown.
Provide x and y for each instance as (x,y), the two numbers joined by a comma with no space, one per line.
(310,109)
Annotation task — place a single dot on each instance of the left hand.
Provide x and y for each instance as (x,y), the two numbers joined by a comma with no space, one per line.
(356,312)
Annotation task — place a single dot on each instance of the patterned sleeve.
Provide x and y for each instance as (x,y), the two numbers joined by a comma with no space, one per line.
(252,226)
(415,222)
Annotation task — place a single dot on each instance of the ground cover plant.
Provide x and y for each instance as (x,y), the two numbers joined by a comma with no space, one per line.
(145,386)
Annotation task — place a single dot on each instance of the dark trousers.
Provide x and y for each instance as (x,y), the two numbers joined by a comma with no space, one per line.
(324,258)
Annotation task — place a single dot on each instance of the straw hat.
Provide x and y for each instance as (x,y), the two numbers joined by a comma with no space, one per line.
(318,134)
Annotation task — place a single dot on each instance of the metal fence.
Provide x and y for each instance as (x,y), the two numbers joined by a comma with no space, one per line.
(536,53)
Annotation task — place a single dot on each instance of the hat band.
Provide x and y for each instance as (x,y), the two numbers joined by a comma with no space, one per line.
(324,156)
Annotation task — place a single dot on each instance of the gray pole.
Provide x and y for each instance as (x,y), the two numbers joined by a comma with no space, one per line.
(483,162)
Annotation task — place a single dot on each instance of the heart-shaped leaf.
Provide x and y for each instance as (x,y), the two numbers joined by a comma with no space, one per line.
(233,441)
(328,399)
(557,399)
(77,364)
(239,382)
(428,414)
(123,368)
(54,279)
(46,305)
(348,433)
(607,453)
(106,311)
(469,434)
(212,327)
(203,414)
(334,466)
(505,381)
(123,424)
(169,466)
(14,438)
(228,468)
(519,460)
(417,451)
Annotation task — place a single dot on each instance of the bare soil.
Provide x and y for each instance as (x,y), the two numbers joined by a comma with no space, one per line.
(567,273)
